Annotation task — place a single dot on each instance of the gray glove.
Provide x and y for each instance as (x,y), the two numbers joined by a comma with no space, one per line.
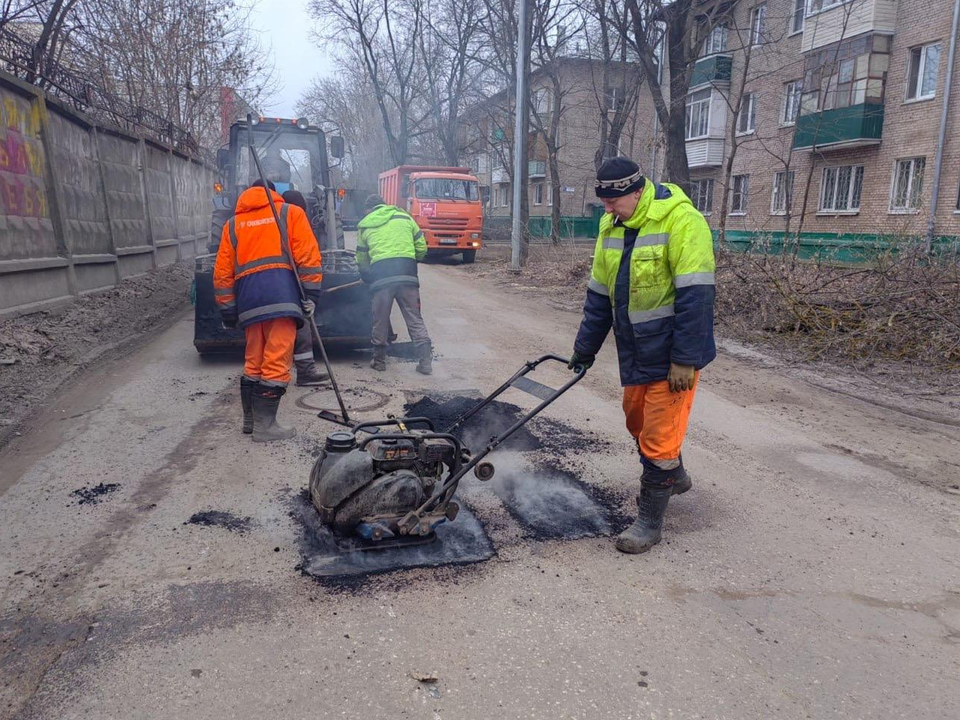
(308,307)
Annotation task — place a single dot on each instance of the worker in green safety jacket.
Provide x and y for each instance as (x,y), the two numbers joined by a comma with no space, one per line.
(652,282)
(389,246)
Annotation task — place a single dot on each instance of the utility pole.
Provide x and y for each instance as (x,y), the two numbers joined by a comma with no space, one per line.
(520,139)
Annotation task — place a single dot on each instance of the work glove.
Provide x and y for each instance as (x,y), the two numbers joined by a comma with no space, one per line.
(582,360)
(681,377)
(308,307)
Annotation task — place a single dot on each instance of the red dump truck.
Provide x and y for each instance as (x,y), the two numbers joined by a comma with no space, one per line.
(445,202)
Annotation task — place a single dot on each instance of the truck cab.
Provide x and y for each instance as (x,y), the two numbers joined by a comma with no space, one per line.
(444,202)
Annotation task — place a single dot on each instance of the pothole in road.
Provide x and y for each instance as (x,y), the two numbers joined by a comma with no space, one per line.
(546,500)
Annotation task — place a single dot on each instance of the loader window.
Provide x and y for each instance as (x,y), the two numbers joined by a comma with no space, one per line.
(447,189)
(289,160)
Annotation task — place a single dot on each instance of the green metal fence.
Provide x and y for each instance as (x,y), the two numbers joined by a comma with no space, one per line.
(834,247)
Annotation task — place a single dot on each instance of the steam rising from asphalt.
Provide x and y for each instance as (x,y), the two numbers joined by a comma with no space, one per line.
(549,502)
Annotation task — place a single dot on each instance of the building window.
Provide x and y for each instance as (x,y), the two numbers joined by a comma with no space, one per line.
(792,91)
(799,13)
(716,41)
(922,77)
(853,74)
(702,195)
(698,114)
(738,194)
(758,25)
(841,188)
(549,193)
(907,185)
(538,194)
(503,193)
(782,199)
(820,5)
(747,119)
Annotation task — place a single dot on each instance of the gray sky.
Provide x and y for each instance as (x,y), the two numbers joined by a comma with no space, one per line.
(285,31)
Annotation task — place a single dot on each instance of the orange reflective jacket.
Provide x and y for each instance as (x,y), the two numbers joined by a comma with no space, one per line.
(252,279)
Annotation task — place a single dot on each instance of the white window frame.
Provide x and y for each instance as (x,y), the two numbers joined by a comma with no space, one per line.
(550,194)
(786,120)
(744,194)
(908,209)
(715,42)
(921,69)
(799,16)
(538,193)
(708,182)
(824,6)
(700,116)
(758,24)
(749,106)
(855,171)
(779,193)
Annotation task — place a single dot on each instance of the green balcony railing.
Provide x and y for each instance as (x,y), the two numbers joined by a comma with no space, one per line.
(713,69)
(854,125)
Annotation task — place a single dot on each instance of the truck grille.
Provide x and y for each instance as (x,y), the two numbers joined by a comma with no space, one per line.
(447,223)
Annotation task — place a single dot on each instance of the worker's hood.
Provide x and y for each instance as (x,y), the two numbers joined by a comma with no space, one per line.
(255,198)
(379,216)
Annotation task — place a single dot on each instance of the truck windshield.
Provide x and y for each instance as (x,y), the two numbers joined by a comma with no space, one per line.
(446,189)
(291,160)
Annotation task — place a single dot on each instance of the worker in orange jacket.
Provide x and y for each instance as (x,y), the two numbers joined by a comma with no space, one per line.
(255,287)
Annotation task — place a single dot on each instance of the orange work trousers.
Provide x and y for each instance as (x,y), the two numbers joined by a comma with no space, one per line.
(657,419)
(269,352)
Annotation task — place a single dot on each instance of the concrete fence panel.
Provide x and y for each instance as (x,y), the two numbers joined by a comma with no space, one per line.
(33,269)
(83,206)
(83,209)
(126,204)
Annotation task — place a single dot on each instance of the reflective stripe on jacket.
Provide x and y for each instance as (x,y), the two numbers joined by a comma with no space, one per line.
(389,245)
(252,277)
(653,282)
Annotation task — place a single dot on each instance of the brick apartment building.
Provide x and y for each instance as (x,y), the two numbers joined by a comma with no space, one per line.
(487,140)
(840,112)
(836,137)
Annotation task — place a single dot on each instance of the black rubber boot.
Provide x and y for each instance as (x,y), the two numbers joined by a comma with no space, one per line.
(266,401)
(379,362)
(309,374)
(681,480)
(656,487)
(246,401)
(425,353)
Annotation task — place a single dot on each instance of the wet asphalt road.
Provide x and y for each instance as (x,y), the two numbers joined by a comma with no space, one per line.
(806,575)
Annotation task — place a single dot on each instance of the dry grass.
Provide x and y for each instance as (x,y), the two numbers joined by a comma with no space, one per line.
(901,307)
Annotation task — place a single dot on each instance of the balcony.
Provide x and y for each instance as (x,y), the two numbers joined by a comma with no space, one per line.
(713,70)
(537,169)
(705,152)
(499,176)
(848,21)
(840,128)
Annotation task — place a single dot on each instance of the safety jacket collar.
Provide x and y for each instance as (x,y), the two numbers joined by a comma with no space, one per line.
(255,198)
(380,215)
(657,201)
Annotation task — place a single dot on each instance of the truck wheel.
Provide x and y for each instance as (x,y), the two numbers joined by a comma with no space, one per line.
(469,256)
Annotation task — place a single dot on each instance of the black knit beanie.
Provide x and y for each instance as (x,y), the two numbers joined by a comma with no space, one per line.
(617,177)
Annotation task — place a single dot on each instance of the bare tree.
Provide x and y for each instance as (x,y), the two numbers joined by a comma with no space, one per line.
(383,35)
(448,47)
(664,35)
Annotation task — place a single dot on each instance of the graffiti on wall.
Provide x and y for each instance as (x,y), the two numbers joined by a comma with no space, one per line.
(22,192)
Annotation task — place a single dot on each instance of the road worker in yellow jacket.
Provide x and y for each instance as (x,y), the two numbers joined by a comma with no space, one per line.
(652,282)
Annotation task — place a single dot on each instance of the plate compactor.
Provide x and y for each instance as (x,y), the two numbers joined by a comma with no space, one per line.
(390,483)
